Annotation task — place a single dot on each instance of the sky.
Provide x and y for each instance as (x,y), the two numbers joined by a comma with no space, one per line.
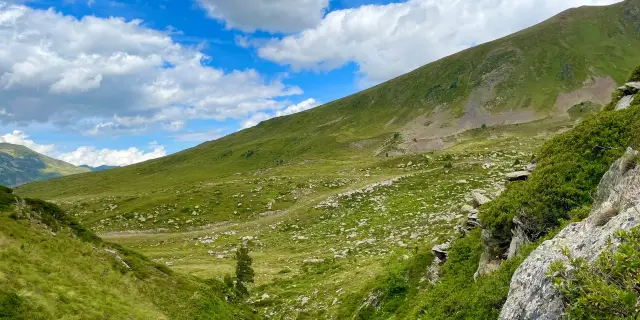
(108,82)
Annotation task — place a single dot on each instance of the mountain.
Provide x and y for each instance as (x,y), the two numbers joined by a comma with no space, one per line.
(343,204)
(20,165)
(539,73)
(99,168)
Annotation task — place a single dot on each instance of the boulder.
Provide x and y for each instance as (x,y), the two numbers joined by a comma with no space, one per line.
(467,209)
(532,167)
(479,199)
(441,251)
(518,175)
(624,103)
(616,207)
(633,85)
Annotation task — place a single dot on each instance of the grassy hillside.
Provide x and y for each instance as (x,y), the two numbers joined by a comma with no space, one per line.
(20,165)
(52,268)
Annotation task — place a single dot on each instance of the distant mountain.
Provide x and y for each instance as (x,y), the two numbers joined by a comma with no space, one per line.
(100,168)
(20,165)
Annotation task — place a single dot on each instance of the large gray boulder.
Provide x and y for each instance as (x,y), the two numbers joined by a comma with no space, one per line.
(479,199)
(616,207)
(518,175)
(624,103)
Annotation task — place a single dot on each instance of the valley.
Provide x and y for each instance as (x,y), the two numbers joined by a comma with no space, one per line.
(341,205)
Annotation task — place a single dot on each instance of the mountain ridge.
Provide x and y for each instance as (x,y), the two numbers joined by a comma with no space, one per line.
(20,165)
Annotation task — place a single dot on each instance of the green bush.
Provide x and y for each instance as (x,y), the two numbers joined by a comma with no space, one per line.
(7,198)
(635,75)
(569,170)
(54,217)
(607,289)
(10,306)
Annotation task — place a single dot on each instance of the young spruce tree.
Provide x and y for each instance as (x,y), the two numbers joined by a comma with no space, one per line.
(244,272)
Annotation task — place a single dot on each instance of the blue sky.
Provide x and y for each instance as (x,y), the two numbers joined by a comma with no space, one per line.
(118,82)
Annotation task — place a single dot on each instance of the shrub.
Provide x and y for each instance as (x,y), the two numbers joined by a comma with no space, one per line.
(10,306)
(607,289)
(635,75)
(569,170)
(54,217)
(7,198)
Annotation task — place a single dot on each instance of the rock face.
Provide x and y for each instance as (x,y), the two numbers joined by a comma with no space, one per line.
(616,207)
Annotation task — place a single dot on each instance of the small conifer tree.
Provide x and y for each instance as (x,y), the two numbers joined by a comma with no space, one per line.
(244,272)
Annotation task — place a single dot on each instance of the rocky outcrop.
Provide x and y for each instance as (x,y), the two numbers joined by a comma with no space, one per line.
(479,199)
(441,251)
(490,259)
(624,103)
(518,175)
(518,239)
(629,92)
(616,207)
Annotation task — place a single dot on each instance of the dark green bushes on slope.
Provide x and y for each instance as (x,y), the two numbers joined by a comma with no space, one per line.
(570,167)
(569,170)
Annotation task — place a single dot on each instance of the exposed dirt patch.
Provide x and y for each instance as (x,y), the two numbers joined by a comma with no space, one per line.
(426,132)
(436,130)
(391,121)
(596,89)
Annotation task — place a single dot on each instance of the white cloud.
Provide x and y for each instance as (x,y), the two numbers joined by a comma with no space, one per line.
(98,157)
(262,116)
(112,76)
(267,15)
(20,138)
(388,40)
(302,106)
(255,119)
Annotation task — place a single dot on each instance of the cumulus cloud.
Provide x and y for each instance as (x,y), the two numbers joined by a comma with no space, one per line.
(20,138)
(267,15)
(112,76)
(95,157)
(295,108)
(388,40)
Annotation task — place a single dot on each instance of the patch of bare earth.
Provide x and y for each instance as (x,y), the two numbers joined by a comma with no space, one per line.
(435,131)
(595,89)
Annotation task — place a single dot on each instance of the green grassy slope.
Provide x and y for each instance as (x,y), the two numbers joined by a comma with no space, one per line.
(52,268)
(20,165)
(526,71)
